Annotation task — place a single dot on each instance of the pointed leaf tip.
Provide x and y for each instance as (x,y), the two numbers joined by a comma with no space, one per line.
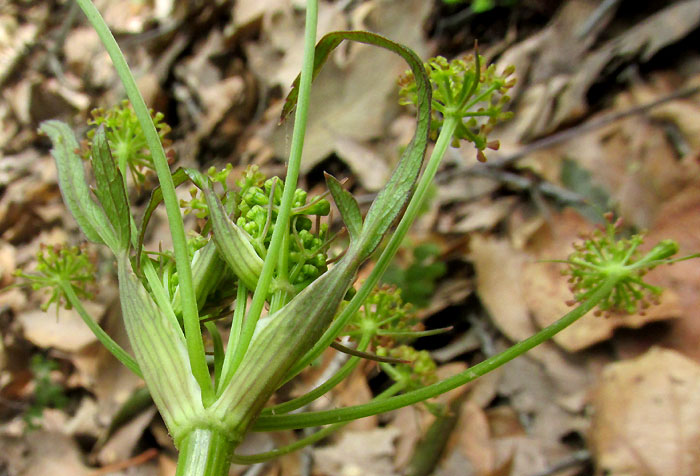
(347,205)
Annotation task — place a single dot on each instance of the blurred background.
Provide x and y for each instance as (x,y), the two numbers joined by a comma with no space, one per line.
(607,117)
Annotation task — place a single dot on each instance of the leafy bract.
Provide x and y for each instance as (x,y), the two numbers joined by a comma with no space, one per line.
(286,335)
(74,188)
(397,191)
(347,205)
(110,189)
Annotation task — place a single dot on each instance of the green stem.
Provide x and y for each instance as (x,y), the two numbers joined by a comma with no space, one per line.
(290,184)
(280,296)
(193,332)
(234,336)
(109,343)
(311,439)
(391,248)
(204,452)
(283,422)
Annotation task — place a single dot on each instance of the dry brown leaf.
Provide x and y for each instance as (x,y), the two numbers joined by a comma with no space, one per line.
(351,101)
(561,68)
(498,268)
(473,439)
(366,453)
(633,159)
(369,167)
(65,331)
(128,17)
(86,57)
(525,455)
(42,453)
(481,215)
(535,394)
(501,285)
(679,219)
(121,445)
(504,422)
(647,416)
(248,11)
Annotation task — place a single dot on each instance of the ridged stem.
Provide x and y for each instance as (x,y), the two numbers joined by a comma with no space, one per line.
(204,452)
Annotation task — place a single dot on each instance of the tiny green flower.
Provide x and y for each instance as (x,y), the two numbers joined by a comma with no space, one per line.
(59,266)
(603,255)
(419,371)
(126,139)
(386,318)
(465,89)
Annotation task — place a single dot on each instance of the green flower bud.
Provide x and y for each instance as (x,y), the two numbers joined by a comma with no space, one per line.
(321,208)
(303,224)
(299,198)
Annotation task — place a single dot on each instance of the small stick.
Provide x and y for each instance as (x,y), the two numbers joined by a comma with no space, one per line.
(135,461)
(589,126)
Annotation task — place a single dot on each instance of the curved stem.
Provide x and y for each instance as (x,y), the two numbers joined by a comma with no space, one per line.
(109,343)
(195,345)
(391,248)
(283,422)
(311,439)
(290,184)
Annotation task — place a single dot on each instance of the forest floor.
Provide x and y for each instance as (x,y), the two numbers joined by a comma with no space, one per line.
(606,117)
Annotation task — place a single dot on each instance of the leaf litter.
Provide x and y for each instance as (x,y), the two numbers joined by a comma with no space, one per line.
(219,70)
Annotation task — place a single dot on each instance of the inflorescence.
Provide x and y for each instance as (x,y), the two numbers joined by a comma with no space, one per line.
(467,90)
(59,266)
(126,139)
(602,256)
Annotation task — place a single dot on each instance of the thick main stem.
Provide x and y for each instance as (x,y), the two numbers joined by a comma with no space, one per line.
(205,452)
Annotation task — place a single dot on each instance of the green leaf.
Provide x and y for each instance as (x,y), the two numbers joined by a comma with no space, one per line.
(394,196)
(280,339)
(74,188)
(347,205)
(285,336)
(231,241)
(180,176)
(161,353)
(110,188)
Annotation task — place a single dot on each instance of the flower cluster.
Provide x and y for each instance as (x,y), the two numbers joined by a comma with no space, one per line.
(257,204)
(418,371)
(602,255)
(464,89)
(126,139)
(386,318)
(59,266)
(197,205)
